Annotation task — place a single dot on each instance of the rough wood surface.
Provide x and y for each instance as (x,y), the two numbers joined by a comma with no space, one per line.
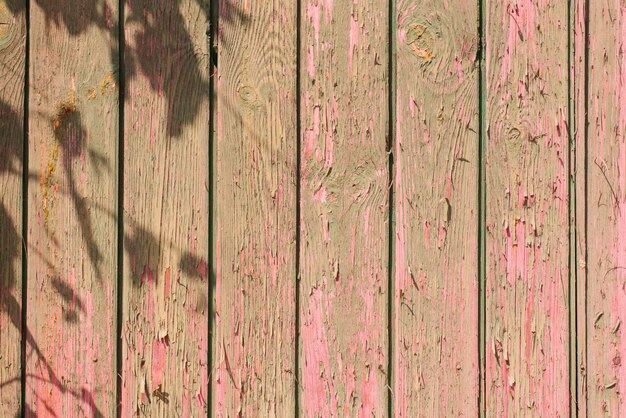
(606,211)
(306,321)
(436,163)
(578,164)
(527,208)
(255,210)
(165,305)
(344,208)
(73,123)
(12,66)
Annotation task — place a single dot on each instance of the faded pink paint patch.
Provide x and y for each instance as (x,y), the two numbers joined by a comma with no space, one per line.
(353,40)
(202,270)
(320,194)
(317,382)
(369,397)
(127,375)
(328,137)
(314,13)
(159,360)
(166,283)
(310,62)
(400,384)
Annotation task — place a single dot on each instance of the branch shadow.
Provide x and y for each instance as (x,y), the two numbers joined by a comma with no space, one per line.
(10,240)
(71,137)
(160,49)
(10,144)
(11,164)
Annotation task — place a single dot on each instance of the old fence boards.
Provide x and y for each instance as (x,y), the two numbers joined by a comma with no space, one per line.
(165,275)
(344,201)
(255,162)
(312,208)
(70,334)
(527,212)
(436,210)
(527,235)
(578,205)
(606,211)
(12,73)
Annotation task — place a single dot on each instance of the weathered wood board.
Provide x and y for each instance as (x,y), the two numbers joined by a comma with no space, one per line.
(71,285)
(578,205)
(606,211)
(344,173)
(527,208)
(165,307)
(12,73)
(255,160)
(436,163)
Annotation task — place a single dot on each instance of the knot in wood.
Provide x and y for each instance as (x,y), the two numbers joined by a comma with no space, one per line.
(513,133)
(421,39)
(247,94)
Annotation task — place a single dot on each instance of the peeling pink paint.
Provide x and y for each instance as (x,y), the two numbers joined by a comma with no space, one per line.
(159,360)
(354,39)
(317,366)
(400,384)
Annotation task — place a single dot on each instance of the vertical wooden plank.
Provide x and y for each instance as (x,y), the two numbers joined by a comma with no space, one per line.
(527,218)
(578,111)
(527,210)
(344,208)
(436,209)
(166,209)
(255,208)
(606,210)
(73,123)
(12,67)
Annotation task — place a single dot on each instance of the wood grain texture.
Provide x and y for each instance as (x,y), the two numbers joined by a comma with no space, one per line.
(165,305)
(12,67)
(255,209)
(73,123)
(436,163)
(578,164)
(606,211)
(344,208)
(527,236)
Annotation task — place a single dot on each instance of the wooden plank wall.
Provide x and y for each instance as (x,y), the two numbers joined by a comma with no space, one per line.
(164,277)
(344,175)
(12,100)
(436,161)
(70,279)
(579,10)
(255,162)
(527,208)
(312,208)
(606,210)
